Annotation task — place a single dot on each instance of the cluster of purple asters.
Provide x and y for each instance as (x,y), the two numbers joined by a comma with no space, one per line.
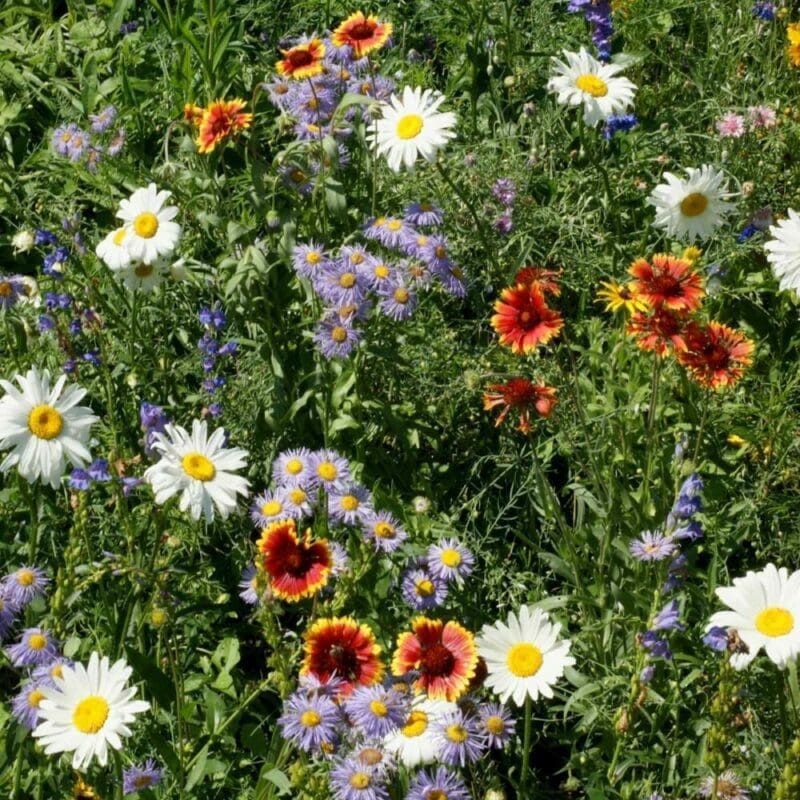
(213,319)
(357,280)
(598,14)
(426,580)
(681,524)
(505,192)
(309,107)
(90,146)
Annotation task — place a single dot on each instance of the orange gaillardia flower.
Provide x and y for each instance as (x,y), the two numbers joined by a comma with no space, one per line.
(444,654)
(362,34)
(659,331)
(296,568)
(667,282)
(524,320)
(523,396)
(193,113)
(545,279)
(303,60)
(340,646)
(222,118)
(716,355)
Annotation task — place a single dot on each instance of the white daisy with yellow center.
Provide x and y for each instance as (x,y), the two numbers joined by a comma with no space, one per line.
(410,127)
(783,251)
(88,711)
(691,208)
(415,743)
(583,80)
(524,657)
(200,468)
(150,230)
(765,612)
(113,250)
(142,277)
(44,428)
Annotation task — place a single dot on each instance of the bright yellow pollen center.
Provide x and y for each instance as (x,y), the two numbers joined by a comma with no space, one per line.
(694,204)
(424,587)
(356,258)
(409,126)
(378,709)
(36,641)
(383,530)
(294,467)
(350,502)
(440,251)
(416,725)
(456,733)
(592,84)
(142,781)
(775,621)
(437,794)
(197,466)
(45,422)
(326,470)
(143,270)
(450,557)
(90,714)
(347,280)
(359,780)
(119,236)
(524,659)
(34,698)
(338,334)
(495,725)
(146,225)
(381,271)
(395,225)
(425,207)
(25,577)
(313,257)
(310,719)
(401,295)
(57,671)
(271,508)
(6,289)
(298,496)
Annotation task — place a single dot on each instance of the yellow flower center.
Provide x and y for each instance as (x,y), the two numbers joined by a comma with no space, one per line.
(356,258)
(401,295)
(271,508)
(384,530)
(313,257)
(57,671)
(694,204)
(524,659)
(146,225)
(424,587)
(437,794)
(298,496)
(416,724)
(37,642)
(495,725)
(379,221)
(592,84)
(450,557)
(45,422)
(35,697)
(5,289)
(381,271)
(294,466)
(359,780)
(347,280)
(409,126)
(378,708)
(440,251)
(775,621)
(457,272)
(350,502)
(197,466)
(143,270)
(142,781)
(425,207)
(338,334)
(456,733)
(90,714)
(326,470)
(119,235)
(310,719)
(25,577)
(395,225)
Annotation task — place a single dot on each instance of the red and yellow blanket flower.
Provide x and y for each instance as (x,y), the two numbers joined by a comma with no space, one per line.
(524,320)
(522,396)
(304,60)
(362,34)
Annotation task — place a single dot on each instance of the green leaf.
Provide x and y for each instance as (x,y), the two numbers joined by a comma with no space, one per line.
(198,770)
(157,682)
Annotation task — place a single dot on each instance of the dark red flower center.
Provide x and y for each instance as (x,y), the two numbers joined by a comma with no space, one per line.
(300,58)
(341,660)
(436,661)
(362,30)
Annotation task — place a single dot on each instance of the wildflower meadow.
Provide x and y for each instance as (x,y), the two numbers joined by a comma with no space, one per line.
(399,401)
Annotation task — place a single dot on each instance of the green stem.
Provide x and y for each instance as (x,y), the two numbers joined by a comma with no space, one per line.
(118,775)
(651,418)
(700,429)
(782,710)
(526,749)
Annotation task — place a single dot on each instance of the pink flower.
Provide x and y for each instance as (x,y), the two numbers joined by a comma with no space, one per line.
(731,125)
(761,117)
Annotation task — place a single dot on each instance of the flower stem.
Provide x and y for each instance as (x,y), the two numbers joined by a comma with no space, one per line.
(526,748)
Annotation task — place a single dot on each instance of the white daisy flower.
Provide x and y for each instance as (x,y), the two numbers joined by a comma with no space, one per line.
(200,467)
(150,230)
(766,613)
(585,80)
(693,208)
(411,127)
(415,742)
(113,251)
(88,710)
(783,251)
(139,276)
(45,427)
(524,657)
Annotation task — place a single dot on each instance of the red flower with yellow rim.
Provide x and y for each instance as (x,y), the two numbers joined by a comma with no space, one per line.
(342,647)
(716,355)
(545,279)
(660,331)
(296,568)
(193,113)
(303,60)
(524,320)
(222,118)
(667,282)
(362,34)
(444,654)
(523,396)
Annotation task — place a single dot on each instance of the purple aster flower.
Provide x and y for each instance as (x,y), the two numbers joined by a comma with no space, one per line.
(335,338)
(398,301)
(129,484)
(352,780)
(450,560)
(668,619)
(314,687)
(453,281)
(424,214)
(79,480)
(281,92)
(268,507)
(146,776)
(422,590)
(646,675)
(78,145)
(309,259)
(292,467)
(349,503)
(371,754)
(329,469)
(340,563)
(504,191)
(94,155)
(25,705)
(35,647)
(117,143)
(61,141)
(504,224)
(619,123)
(375,273)
(98,470)
(47,673)
(727,786)
(416,273)
(656,645)
(442,783)
(460,737)
(376,711)
(24,584)
(384,531)
(393,232)
(295,178)
(11,289)
(247,584)
(496,723)
(413,245)
(652,546)
(340,282)
(309,721)
(312,104)
(435,253)
(717,639)
(8,612)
